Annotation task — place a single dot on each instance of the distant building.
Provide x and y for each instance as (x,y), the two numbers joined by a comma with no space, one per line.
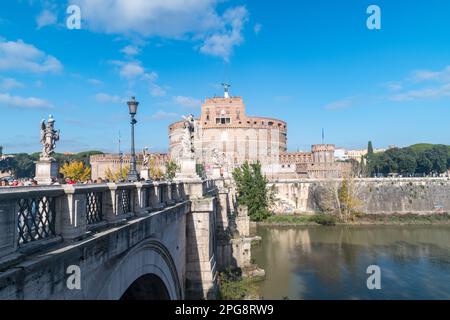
(359,155)
(100,163)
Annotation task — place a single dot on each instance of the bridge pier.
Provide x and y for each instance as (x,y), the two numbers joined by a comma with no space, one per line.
(201,273)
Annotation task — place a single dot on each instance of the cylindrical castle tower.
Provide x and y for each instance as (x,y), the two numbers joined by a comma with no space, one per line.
(323,153)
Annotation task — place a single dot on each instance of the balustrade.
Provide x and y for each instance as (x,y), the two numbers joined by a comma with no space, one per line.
(34,215)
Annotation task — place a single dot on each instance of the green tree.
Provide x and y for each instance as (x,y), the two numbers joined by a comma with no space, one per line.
(406,160)
(424,165)
(22,165)
(438,155)
(369,168)
(171,169)
(252,190)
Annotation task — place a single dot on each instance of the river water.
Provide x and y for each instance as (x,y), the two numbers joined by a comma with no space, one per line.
(331,262)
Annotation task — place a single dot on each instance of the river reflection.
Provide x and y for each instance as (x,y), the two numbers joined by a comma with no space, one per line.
(331,262)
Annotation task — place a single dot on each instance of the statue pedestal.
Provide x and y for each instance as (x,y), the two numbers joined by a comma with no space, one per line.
(187,169)
(46,170)
(145,174)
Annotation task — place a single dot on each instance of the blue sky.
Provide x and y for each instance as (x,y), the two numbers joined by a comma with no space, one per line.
(314,64)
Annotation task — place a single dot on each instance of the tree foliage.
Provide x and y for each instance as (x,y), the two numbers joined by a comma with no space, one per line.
(417,159)
(156,172)
(171,169)
(348,200)
(117,175)
(252,190)
(22,164)
(76,171)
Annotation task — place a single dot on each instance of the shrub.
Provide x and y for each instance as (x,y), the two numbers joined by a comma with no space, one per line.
(324,219)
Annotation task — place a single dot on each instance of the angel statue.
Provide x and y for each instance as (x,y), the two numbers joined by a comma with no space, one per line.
(145,158)
(215,158)
(187,140)
(49,136)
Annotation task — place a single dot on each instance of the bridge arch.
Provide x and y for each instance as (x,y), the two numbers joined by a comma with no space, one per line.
(149,263)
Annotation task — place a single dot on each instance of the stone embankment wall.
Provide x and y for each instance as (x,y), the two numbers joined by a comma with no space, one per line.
(376,196)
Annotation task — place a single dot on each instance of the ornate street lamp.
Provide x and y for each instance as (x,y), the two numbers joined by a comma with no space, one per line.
(132,174)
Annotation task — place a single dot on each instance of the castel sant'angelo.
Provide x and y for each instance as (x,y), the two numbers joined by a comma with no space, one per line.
(225,129)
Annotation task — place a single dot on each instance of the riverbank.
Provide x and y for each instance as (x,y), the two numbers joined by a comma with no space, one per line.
(362,219)
(236,286)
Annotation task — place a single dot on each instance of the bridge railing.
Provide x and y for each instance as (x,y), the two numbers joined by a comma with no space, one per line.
(36,216)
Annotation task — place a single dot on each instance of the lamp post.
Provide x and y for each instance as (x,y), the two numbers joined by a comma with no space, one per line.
(132,174)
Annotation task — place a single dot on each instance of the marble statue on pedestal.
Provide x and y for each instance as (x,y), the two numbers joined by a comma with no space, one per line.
(187,141)
(187,162)
(49,136)
(47,168)
(145,164)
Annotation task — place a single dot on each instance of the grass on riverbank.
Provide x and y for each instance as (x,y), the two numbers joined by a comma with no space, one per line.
(441,218)
(235,287)
(315,219)
(329,220)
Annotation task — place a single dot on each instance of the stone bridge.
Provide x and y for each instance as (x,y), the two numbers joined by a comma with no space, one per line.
(157,240)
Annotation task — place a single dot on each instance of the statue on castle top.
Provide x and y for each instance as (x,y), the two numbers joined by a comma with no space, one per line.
(187,141)
(145,158)
(49,136)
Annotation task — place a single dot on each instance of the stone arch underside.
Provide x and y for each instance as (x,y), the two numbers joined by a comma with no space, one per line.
(149,259)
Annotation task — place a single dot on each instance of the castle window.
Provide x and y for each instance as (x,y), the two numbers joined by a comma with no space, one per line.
(270,123)
(223,120)
(207,117)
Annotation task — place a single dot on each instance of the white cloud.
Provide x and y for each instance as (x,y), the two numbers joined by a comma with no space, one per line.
(9,83)
(46,18)
(130,50)
(221,43)
(162,115)
(95,82)
(106,98)
(393,86)
(20,56)
(187,102)
(131,70)
(429,75)
(156,90)
(193,20)
(426,93)
(20,102)
(423,84)
(341,104)
(257,28)
(150,76)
